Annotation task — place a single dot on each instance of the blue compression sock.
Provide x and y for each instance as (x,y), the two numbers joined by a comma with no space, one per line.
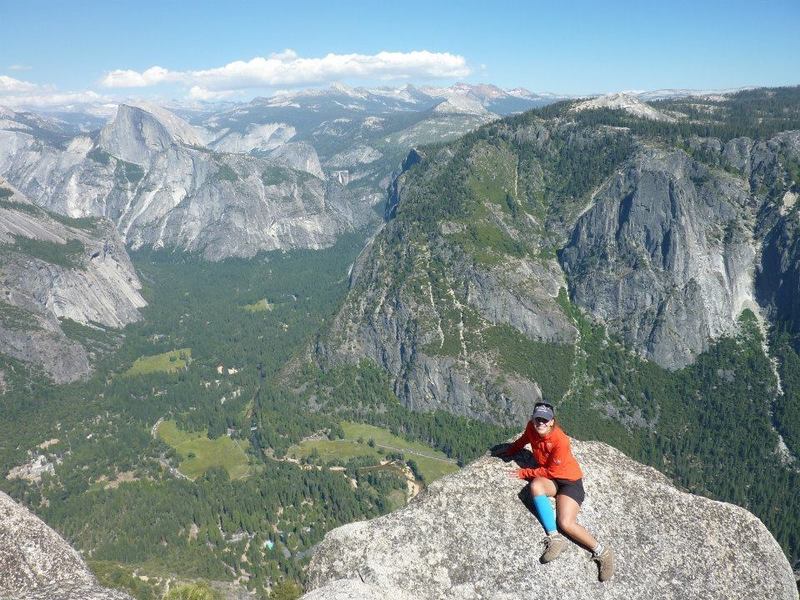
(545,512)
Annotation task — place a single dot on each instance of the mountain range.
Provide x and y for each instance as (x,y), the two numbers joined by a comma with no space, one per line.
(664,241)
(631,259)
(292,171)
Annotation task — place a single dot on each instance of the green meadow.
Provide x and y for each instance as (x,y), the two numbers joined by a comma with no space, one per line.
(432,463)
(199,453)
(260,306)
(166,362)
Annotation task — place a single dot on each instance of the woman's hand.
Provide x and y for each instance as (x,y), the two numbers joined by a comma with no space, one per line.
(501,451)
(519,474)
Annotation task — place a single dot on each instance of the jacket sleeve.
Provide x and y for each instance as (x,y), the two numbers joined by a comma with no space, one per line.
(519,443)
(532,473)
(557,455)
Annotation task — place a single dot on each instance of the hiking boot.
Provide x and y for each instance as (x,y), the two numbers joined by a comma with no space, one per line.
(605,563)
(555,545)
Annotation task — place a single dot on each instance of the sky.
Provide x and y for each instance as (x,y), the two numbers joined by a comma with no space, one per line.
(60,52)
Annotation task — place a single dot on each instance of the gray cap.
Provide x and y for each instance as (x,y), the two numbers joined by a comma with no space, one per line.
(542,411)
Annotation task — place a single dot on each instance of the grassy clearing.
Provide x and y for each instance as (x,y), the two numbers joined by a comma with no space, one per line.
(432,463)
(397,499)
(260,306)
(200,453)
(166,362)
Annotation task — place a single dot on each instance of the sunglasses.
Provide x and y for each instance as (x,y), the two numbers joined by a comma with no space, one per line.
(541,421)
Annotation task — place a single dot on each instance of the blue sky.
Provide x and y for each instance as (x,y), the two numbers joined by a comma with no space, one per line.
(570,47)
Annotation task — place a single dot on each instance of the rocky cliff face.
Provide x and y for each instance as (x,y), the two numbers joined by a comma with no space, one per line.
(471,536)
(149,173)
(430,334)
(299,156)
(665,243)
(138,133)
(665,255)
(434,291)
(37,564)
(777,276)
(54,268)
(279,174)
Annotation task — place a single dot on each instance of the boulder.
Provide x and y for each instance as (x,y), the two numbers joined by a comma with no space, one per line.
(470,536)
(37,564)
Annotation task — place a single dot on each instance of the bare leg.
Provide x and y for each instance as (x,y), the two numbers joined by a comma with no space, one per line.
(566,514)
(541,486)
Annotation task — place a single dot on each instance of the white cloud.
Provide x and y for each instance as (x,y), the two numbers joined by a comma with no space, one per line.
(16,93)
(288,69)
(128,78)
(19,67)
(9,85)
(50,100)
(204,95)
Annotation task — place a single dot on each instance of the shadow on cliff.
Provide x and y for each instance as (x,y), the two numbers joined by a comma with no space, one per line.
(524,460)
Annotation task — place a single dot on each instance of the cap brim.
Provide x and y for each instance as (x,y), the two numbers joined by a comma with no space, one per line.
(542,413)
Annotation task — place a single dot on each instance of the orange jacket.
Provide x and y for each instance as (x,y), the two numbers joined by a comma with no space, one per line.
(552,454)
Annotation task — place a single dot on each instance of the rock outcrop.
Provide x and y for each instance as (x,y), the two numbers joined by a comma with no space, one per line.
(255,138)
(37,564)
(627,102)
(665,256)
(136,134)
(54,268)
(299,156)
(470,536)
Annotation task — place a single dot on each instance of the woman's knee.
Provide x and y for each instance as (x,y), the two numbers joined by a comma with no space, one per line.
(539,486)
(565,523)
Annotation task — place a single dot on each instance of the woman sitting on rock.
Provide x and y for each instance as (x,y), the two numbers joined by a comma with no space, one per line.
(559,475)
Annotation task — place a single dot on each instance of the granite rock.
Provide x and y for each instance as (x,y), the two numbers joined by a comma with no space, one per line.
(37,564)
(469,536)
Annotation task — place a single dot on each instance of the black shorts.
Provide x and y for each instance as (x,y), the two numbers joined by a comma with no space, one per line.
(573,489)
